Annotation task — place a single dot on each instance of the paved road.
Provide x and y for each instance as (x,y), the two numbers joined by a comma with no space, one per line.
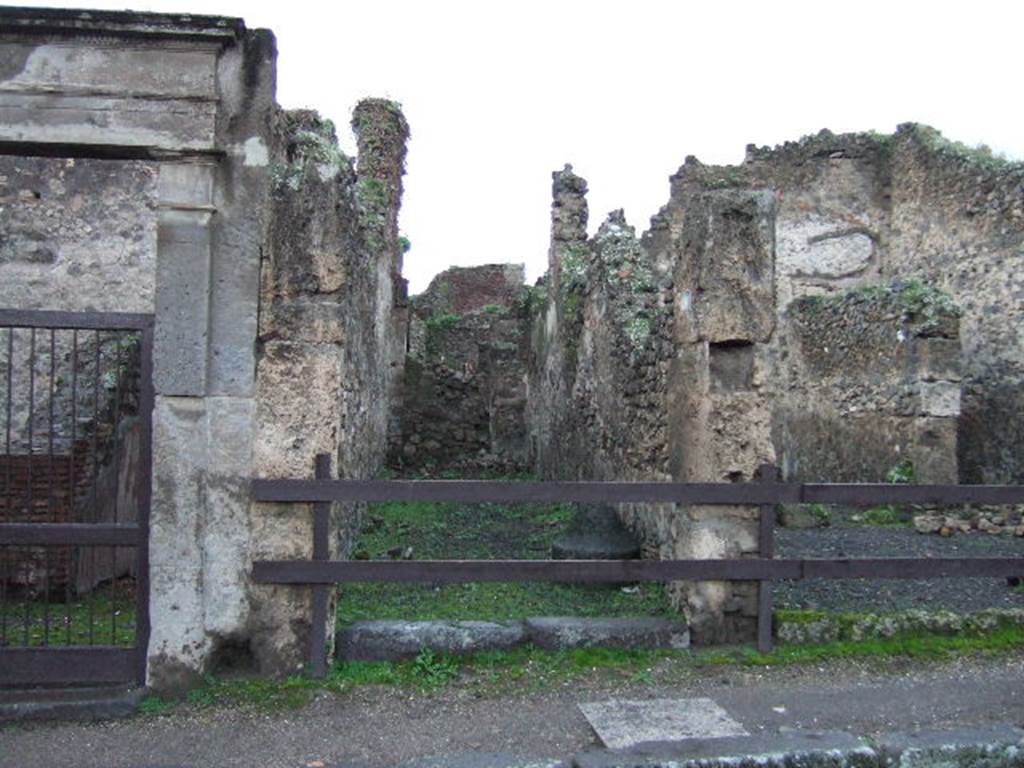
(385,727)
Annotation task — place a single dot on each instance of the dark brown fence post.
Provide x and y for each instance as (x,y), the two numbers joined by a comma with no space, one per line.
(321,592)
(766,473)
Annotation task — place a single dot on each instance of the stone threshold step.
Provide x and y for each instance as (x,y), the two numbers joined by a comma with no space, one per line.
(78,703)
(397,640)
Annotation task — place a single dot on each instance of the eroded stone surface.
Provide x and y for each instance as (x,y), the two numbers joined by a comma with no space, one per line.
(392,640)
(557,633)
(621,724)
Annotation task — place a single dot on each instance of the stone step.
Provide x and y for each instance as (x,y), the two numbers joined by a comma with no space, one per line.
(396,640)
(72,703)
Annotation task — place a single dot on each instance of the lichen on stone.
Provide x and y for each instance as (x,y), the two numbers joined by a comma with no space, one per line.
(625,267)
(311,143)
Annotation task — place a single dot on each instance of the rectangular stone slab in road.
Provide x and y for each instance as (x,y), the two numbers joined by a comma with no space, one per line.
(622,724)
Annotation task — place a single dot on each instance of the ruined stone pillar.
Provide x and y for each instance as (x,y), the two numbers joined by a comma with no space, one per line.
(325,346)
(718,397)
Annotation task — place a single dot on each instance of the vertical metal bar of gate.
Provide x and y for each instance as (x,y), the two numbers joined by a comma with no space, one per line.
(145,495)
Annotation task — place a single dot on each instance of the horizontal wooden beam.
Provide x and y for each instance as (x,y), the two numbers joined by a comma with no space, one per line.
(102,321)
(82,534)
(493,491)
(620,571)
(871,494)
(68,666)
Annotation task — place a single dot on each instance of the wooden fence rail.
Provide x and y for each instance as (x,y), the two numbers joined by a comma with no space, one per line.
(320,572)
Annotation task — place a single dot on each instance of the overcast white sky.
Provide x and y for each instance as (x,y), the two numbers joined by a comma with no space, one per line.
(498,95)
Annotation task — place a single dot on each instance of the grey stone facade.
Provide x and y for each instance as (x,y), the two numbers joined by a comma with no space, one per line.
(146,167)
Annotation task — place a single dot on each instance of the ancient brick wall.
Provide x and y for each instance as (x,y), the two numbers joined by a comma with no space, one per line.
(460,405)
(871,386)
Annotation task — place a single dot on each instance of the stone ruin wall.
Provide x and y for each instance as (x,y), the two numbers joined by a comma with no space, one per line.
(628,380)
(697,351)
(271,263)
(460,404)
(861,210)
(813,308)
(330,278)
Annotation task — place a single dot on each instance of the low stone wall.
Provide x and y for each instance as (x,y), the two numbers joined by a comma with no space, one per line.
(811,627)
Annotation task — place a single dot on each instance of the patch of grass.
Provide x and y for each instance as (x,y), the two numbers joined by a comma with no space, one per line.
(480,531)
(1001,640)
(487,601)
(497,672)
(901,473)
(103,617)
(434,670)
(154,705)
(798,616)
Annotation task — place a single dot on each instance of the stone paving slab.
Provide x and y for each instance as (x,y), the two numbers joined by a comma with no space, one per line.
(621,724)
(484,760)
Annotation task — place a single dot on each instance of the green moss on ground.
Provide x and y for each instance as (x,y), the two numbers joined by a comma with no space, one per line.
(496,672)
(104,617)
(480,531)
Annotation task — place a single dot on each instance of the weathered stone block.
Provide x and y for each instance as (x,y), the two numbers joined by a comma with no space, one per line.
(78,234)
(939,359)
(393,640)
(940,398)
(78,94)
(182,303)
(731,366)
(557,633)
(726,275)
(299,388)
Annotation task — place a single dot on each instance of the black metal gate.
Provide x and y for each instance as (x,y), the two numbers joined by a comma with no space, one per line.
(76,403)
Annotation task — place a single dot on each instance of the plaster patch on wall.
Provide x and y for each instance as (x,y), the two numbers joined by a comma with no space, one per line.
(823,247)
(256,154)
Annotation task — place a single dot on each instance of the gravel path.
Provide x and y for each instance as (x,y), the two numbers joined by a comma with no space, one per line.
(886,595)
